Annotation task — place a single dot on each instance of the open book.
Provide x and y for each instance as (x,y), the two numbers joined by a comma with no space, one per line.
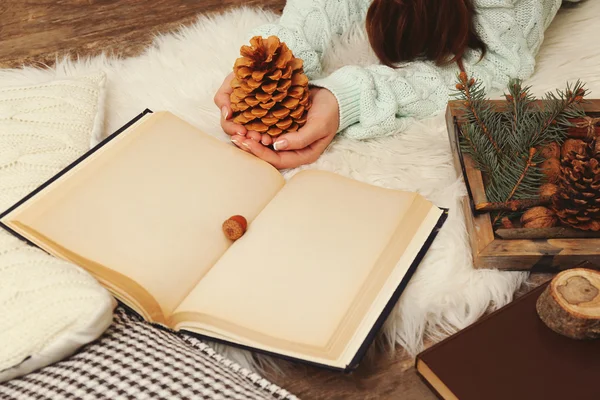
(321,265)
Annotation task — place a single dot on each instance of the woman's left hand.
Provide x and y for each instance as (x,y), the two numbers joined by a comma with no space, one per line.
(304,146)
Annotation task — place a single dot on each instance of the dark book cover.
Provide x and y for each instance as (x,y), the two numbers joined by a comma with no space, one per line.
(512,354)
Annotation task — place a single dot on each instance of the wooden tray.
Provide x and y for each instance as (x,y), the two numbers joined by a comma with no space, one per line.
(489,250)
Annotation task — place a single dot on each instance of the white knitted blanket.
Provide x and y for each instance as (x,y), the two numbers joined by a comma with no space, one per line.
(48,307)
(182,71)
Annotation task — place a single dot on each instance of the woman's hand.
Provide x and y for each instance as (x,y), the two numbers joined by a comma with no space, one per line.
(223,101)
(304,146)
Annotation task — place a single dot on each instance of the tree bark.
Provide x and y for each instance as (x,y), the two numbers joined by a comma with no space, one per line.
(514,205)
(556,232)
(570,304)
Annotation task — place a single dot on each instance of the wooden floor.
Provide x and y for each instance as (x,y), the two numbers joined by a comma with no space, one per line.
(380,376)
(36,31)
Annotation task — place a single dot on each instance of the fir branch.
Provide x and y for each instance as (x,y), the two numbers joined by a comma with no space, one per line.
(516,176)
(473,96)
(559,108)
(521,112)
(510,175)
(528,165)
(515,117)
(504,145)
(479,149)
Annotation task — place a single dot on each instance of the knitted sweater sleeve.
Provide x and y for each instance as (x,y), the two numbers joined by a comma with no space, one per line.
(377,100)
(308,27)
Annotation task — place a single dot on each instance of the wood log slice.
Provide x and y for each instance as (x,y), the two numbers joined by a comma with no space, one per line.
(570,304)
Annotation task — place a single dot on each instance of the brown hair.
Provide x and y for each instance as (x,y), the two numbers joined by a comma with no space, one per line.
(436,30)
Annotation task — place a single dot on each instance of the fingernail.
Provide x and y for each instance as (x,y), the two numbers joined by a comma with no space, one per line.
(234,141)
(240,133)
(280,145)
(246,145)
(225,112)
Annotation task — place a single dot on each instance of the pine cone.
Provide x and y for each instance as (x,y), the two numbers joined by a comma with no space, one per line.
(577,202)
(270,90)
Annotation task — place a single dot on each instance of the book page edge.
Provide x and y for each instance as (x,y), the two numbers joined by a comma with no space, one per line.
(386,293)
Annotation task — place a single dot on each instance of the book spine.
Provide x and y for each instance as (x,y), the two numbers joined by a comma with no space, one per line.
(426,382)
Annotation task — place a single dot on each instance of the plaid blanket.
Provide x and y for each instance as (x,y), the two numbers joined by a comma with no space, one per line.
(135,360)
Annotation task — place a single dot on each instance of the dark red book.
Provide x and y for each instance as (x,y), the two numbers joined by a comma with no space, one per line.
(511,354)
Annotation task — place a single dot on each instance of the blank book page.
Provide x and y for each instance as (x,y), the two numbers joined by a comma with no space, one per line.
(303,260)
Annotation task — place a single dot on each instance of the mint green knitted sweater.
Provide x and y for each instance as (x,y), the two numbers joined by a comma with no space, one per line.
(378,100)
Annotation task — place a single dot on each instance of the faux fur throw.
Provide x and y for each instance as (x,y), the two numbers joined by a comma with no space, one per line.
(180,72)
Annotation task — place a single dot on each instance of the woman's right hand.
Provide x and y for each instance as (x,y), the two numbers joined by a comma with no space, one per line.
(223,101)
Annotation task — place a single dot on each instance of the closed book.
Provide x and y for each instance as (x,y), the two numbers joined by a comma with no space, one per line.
(512,354)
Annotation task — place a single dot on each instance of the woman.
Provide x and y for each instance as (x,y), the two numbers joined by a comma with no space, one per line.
(421,45)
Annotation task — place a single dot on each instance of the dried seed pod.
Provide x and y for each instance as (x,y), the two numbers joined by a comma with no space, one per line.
(548,190)
(538,217)
(506,223)
(552,150)
(235,227)
(268,76)
(551,168)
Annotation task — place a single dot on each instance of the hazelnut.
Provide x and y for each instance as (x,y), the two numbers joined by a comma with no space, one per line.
(548,190)
(235,227)
(552,150)
(551,168)
(570,145)
(538,217)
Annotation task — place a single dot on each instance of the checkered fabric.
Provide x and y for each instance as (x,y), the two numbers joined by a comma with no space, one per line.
(135,360)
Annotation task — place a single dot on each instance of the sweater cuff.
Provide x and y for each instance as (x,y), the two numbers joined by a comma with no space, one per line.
(346,89)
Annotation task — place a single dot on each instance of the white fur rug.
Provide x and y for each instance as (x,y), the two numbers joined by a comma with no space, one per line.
(180,72)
